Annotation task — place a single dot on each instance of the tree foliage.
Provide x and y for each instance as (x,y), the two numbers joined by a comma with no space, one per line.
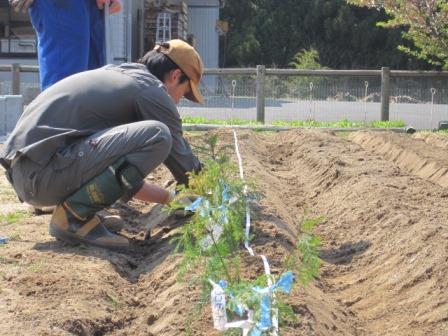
(426,22)
(272,32)
(306,59)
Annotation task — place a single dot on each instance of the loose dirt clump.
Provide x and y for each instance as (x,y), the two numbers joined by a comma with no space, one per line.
(384,248)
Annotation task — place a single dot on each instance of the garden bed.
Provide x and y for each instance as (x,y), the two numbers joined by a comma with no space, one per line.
(384,247)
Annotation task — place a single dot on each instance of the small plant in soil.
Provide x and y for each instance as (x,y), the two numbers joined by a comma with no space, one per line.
(204,245)
(113,300)
(304,258)
(211,242)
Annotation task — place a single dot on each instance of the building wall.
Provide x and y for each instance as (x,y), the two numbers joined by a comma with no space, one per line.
(202,19)
(192,20)
(179,19)
(126,32)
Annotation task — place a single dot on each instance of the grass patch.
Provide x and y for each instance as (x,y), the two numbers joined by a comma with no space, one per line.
(13,217)
(7,194)
(113,300)
(15,236)
(340,124)
(202,120)
(297,123)
(439,132)
(37,267)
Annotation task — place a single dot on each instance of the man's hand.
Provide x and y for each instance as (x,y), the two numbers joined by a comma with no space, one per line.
(180,204)
(21,5)
(114,5)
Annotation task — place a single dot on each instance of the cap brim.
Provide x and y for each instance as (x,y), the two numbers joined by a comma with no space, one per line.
(194,94)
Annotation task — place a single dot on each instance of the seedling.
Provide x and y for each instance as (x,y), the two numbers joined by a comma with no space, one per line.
(210,243)
(304,258)
(113,301)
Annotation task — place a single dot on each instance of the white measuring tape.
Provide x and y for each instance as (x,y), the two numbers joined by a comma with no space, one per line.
(218,298)
(269,317)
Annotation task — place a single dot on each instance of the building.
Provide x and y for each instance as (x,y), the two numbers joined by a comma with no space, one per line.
(192,20)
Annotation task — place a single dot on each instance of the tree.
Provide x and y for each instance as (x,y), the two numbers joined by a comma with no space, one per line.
(426,22)
(306,59)
(272,32)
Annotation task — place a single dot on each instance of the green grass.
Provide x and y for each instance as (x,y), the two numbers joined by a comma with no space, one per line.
(340,124)
(298,123)
(440,132)
(37,267)
(113,300)
(13,217)
(205,121)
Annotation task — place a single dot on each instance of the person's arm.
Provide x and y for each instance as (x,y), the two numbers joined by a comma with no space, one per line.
(155,194)
(114,5)
(181,159)
(155,104)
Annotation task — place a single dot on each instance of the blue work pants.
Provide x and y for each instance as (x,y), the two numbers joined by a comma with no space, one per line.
(70,38)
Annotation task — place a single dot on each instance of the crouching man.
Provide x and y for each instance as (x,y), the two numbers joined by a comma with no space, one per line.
(91,139)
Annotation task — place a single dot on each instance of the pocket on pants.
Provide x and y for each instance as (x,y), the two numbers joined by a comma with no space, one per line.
(25,180)
(61,160)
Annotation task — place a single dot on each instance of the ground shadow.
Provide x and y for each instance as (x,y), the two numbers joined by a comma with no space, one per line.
(345,253)
(146,252)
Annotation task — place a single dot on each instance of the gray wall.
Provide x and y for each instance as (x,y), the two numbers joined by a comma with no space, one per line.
(202,18)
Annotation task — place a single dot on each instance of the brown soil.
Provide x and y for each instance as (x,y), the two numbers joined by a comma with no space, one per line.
(436,139)
(384,248)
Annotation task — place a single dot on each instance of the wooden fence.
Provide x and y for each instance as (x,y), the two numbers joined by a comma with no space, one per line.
(261,72)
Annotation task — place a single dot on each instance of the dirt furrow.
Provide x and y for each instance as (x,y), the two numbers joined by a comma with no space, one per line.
(411,154)
(385,249)
(386,237)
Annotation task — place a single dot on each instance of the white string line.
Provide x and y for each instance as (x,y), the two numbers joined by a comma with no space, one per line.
(267,268)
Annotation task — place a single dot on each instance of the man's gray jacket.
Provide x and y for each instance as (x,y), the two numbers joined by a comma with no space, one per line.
(88,102)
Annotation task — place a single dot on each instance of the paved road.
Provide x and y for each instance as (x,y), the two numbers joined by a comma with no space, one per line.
(417,115)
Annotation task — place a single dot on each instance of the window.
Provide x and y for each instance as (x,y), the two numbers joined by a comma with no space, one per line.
(163,33)
(17,36)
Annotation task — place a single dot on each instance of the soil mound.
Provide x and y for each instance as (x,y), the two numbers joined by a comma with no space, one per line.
(409,153)
(386,241)
(434,139)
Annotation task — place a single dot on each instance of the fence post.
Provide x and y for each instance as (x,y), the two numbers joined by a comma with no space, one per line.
(261,72)
(15,81)
(385,93)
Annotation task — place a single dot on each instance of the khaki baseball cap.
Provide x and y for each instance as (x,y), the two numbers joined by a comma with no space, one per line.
(189,61)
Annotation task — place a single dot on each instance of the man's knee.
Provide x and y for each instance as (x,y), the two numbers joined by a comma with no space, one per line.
(161,139)
(166,136)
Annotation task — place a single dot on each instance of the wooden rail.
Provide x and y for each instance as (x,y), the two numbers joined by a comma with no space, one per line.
(260,72)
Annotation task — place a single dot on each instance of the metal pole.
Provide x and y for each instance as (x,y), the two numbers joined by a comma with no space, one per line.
(140,30)
(261,71)
(15,81)
(127,10)
(107,34)
(433,93)
(385,93)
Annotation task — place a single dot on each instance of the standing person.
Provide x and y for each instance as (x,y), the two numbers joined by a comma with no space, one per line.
(91,139)
(70,35)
